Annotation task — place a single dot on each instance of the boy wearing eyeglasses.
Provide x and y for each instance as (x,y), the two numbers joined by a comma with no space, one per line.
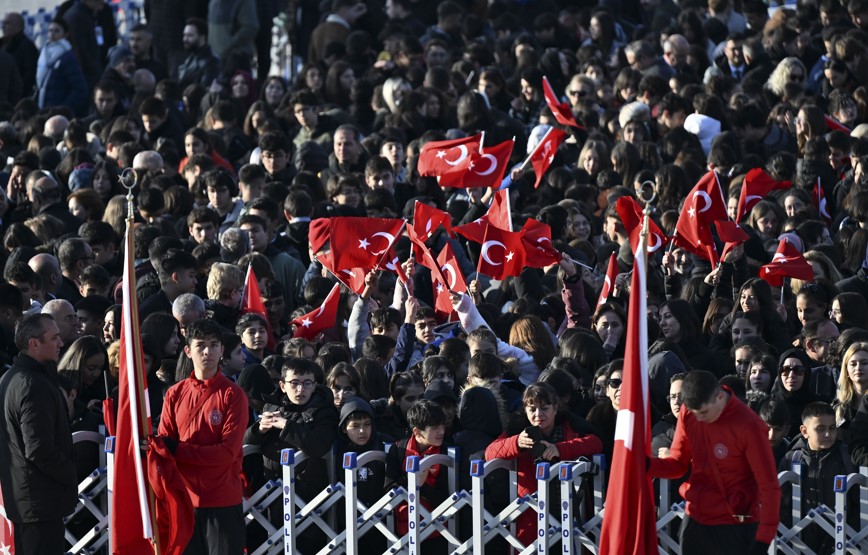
(202,424)
(304,419)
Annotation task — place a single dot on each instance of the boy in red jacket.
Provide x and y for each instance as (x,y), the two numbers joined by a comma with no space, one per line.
(732,493)
(203,424)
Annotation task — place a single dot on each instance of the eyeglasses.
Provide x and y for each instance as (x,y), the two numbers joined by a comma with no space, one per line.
(834,312)
(795,370)
(580,93)
(676,397)
(296,384)
(614,383)
(796,77)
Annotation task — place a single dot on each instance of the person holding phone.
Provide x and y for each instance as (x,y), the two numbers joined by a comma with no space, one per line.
(548,435)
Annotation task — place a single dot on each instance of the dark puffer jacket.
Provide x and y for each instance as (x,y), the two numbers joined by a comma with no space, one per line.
(311,429)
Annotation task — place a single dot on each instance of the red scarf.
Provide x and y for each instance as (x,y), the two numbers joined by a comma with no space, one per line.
(401,526)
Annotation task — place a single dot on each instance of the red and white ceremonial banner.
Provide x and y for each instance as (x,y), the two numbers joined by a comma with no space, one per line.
(630,519)
(132,527)
(609,280)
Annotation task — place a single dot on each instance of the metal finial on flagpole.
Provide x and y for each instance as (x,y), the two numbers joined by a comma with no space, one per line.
(647,195)
(129,179)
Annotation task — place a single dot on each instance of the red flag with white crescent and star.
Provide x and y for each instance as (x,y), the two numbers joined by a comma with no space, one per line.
(481,168)
(757,184)
(561,110)
(544,154)
(323,318)
(501,254)
(787,262)
(439,157)
(353,278)
(427,218)
(703,206)
(362,242)
(631,215)
(539,252)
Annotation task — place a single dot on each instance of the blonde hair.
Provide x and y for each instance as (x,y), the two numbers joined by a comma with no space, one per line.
(780,76)
(222,280)
(530,334)
(847,396)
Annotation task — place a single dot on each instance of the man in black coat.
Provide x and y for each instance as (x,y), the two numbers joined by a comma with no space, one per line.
(21,48)
(37,468)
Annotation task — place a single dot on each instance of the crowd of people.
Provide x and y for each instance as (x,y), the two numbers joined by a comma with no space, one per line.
(235,166)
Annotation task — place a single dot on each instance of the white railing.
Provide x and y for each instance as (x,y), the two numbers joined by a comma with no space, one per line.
(572,527)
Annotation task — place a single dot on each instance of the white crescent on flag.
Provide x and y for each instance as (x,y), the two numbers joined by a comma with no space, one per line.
(389,240)
(448,269)
(705,197)
(484,253)
(461,158)
(492,160)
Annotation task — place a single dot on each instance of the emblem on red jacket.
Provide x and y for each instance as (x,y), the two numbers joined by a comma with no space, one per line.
(215,418)
(720,451)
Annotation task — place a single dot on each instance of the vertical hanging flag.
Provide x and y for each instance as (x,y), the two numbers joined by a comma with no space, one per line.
(609,280)
(630,521)
(131,512)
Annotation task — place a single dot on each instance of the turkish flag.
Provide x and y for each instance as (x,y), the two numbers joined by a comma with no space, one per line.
(538,249)
(7,532)
(609,281)
(451,269)
(439,157)
(499,215)
(131,518)
(501,254)
(480,168)
(631,215)
(175,518)
(251,303)
(731,234)
(362,242)
(630,522)
(787,262)
(561,110)
(311,324)
(426,220)
(819,199)
(353,278)
(834,125)
(318,233)
(703,206)
(757,184)
(421,251)
(544,154)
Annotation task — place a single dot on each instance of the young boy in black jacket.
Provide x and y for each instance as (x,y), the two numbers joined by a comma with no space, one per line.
(823,456)
(358,435)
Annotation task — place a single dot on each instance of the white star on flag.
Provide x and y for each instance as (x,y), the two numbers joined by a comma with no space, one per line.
(306,322)
(363,243)
(439,288)
(692,212)
(441,154)
(509,256)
